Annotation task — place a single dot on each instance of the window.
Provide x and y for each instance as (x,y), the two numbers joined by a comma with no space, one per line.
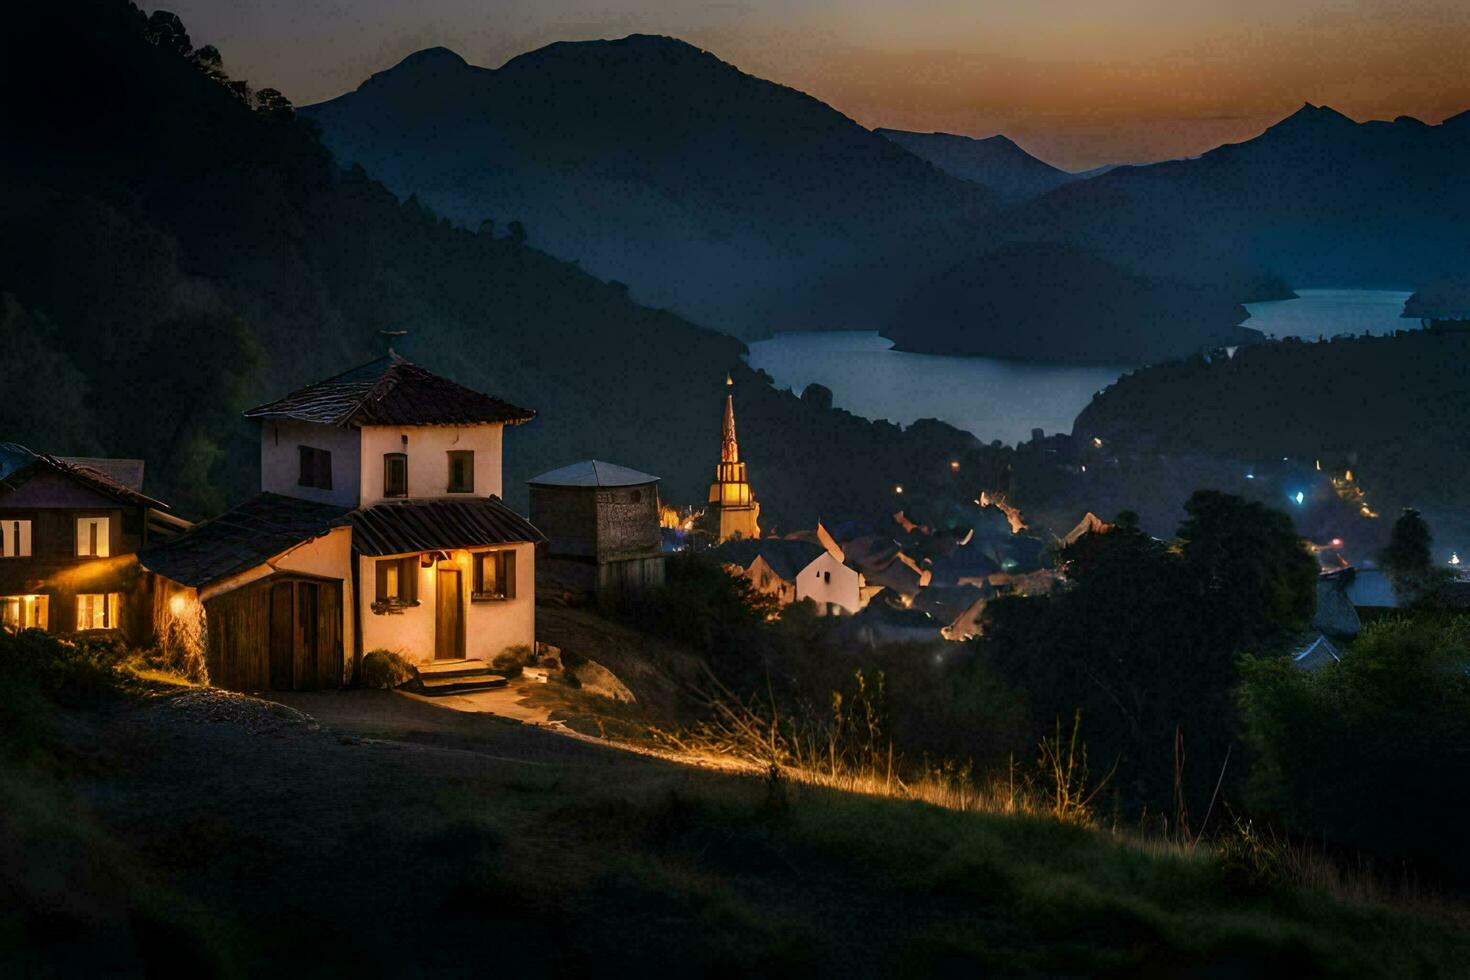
(636,496)
(827,578)
(398,580)
(93,539)
(316,468)
(15,538)
(461,471)
(24,612)
(495,576)
(97,611)
(395,475)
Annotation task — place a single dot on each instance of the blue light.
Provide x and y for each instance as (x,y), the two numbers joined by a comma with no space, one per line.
(1299,497)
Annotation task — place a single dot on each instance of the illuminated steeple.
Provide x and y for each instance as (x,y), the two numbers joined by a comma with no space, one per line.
(729,448)
(732,510)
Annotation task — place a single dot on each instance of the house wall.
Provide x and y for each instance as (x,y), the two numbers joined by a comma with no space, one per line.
(280,460)
(428,463)
(765,579)
(627,523)
(490,627)
(568,518)
(826,580)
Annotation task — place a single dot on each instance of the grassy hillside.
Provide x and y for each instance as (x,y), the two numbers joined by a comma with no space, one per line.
(212,833)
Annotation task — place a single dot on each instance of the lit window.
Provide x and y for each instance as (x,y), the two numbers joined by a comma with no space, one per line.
(495,575)
(395,475)
(97,611)
(15,539)
(316,468)
(397,580)
(462,471)
(24,612)
(92,537)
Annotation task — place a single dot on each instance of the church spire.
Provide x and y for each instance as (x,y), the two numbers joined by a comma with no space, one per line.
(729,448)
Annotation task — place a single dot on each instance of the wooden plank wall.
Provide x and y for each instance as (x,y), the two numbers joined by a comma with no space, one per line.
(280,634)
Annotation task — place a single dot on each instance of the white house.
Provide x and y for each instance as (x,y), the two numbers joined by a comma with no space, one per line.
(389,478)
(793,570)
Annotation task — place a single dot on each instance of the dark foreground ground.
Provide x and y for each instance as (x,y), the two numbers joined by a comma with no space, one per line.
(202,835)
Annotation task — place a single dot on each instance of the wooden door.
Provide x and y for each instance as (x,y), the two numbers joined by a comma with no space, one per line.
(329,636)
(282,637)
(304,668)
(448,615)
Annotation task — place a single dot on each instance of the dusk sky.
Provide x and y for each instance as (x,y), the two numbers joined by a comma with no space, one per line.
(1078,82)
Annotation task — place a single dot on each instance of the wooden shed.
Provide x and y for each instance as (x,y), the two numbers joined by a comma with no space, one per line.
(272,581)
(603,517)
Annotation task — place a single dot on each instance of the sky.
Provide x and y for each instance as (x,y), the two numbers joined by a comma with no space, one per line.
(1079,83)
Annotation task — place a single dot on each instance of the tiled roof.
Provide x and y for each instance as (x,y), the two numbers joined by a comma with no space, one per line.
(402,527)
(592,473)
(786,557)
(241,539)
(16,462)
(391,391)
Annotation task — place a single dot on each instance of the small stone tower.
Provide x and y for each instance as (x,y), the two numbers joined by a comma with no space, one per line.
(732,511)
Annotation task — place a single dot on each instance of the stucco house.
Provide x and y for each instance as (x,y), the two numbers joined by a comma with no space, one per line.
(379,525)
(793,570)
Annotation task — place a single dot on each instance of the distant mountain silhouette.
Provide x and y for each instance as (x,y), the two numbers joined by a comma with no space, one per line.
(177,248)
(710,192)
(1318,199)
(995,163)
(1062,303)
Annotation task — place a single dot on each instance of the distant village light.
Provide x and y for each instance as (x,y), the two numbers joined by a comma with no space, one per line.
(954,466)
(1097,441)
(898,488)
(1337,542)
(1454,558)
(1299,497)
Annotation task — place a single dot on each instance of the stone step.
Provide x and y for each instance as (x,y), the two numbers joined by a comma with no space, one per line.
(461,683)
(464,667)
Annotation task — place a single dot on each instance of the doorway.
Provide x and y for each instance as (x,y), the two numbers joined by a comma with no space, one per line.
(448,615)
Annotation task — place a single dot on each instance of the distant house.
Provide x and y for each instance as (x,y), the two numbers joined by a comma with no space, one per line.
(602,520)
(69,529)
(794,570)
(407,548)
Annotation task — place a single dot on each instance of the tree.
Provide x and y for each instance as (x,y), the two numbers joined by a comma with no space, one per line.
(517,232)
(165,30)
(1408,562)
(1252,576)
(274,106)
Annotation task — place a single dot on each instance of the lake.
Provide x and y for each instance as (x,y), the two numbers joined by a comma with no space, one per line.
(997,399)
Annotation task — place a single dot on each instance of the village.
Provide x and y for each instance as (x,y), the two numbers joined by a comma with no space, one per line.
(379,526)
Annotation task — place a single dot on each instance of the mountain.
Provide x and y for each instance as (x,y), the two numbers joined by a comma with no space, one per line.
(729,199)
(179,247)
(995,163)
(1318,199)
(1061,303)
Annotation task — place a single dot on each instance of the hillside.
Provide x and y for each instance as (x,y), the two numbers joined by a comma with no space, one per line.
(1318,199)
(723,196)
(1059,303)
(995,163)
(1391,409)
(178,249)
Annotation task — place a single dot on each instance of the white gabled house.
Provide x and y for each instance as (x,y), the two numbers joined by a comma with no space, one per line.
(793,570)
(406,466)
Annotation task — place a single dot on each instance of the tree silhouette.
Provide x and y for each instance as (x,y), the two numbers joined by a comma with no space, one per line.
(517,232)
(165,30)
(271,104)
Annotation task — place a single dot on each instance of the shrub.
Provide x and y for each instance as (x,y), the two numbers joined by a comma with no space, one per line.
(73,671)
(512,660)
(385,670)
(1369,752)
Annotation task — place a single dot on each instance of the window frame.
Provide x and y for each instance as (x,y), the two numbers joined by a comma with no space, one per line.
(111,602)
(389,459)
(468,457)
(17,537)
(41,604)
(101,547)
(407,568)
(504,562)
(315,467)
